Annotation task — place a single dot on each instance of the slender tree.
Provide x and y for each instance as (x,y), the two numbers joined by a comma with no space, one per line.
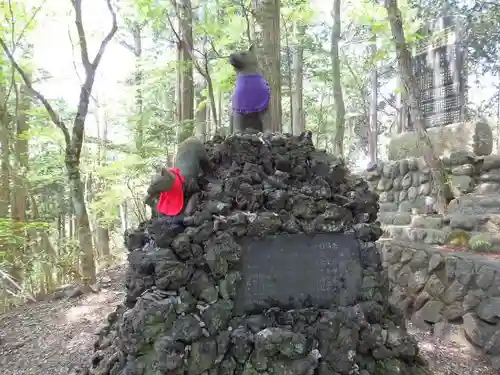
(74,139)
(413,97)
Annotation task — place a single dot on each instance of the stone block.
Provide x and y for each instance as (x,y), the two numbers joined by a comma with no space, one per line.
(464,170)
(487,188)
(386,218)
(407,181)
(402,218)
(472,299)
(492,347)
(489,310)
(431,312)
(485,276)
(475,205)
(473,136)
(417,281)
(474,330)
(435,262)
(388,207)
(435,236)
(461,185)
(490,162)
(466,222)
(495,362)
(427,222)
(455,292)
(403,167)
(435,287)
(492,175)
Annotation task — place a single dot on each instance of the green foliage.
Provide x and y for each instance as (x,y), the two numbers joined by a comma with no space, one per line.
(481,243)
(457,239)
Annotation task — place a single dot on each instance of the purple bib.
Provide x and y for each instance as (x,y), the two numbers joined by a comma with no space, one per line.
(251,94)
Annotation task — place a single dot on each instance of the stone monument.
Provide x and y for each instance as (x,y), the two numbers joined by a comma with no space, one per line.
(276,272)
(440,67)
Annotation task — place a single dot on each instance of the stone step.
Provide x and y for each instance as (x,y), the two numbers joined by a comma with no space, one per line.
(432,236)
(414,221)
(488,222)
(475,204)
(482,223)
(407,233)
(428,221)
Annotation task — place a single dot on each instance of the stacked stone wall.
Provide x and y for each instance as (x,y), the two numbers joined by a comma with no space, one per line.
(405,186)
(436,289)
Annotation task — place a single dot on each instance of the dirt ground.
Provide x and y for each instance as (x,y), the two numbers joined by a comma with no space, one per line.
(56,337)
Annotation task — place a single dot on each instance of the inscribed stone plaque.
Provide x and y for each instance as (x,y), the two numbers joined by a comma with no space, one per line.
(440,69)
(294,271)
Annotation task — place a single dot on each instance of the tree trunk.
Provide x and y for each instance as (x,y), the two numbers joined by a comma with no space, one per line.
(201,115)
(413,95)
(12,253)
(138,83)
(289,76)
(19,176)
(5,156)
(373,133)
(135,29)
(178,85)
(187,85)
(298,101)
(338,142)
(20,195)
(103,242)
(399,106)
(47,252)
(102,224)
(219,109)
(123,216)
(267,13)
(83,231)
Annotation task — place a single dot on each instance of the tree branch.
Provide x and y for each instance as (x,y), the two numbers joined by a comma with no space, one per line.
(127,45)
(90,70)
(181,42)
(15,43)
(50,110)
(107,39)
(77,5)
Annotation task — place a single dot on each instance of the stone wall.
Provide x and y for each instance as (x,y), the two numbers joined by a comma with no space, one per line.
(471,136)
(436,288)
(403,187)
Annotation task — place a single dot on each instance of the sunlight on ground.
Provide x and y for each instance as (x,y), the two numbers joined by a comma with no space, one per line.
(459,345)
(90,308)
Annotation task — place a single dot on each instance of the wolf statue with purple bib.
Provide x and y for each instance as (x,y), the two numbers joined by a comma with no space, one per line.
(251,95)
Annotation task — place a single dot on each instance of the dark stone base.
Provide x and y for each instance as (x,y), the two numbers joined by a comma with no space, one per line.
(180,314)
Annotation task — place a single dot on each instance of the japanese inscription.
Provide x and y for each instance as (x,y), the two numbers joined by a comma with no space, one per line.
(298,271)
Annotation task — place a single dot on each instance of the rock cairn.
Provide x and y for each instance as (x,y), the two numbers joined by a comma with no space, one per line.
(182,281)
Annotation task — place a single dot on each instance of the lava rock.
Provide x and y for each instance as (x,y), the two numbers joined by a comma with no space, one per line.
(183,278)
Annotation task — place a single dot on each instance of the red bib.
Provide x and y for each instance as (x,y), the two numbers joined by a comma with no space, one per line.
(171,202)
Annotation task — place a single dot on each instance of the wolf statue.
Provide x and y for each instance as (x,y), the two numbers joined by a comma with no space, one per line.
(251,95)
(175,191)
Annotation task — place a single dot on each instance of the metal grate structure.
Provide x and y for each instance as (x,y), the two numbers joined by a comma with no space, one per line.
(439,66)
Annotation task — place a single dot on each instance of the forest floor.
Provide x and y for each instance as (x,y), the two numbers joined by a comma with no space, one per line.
(56,337)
